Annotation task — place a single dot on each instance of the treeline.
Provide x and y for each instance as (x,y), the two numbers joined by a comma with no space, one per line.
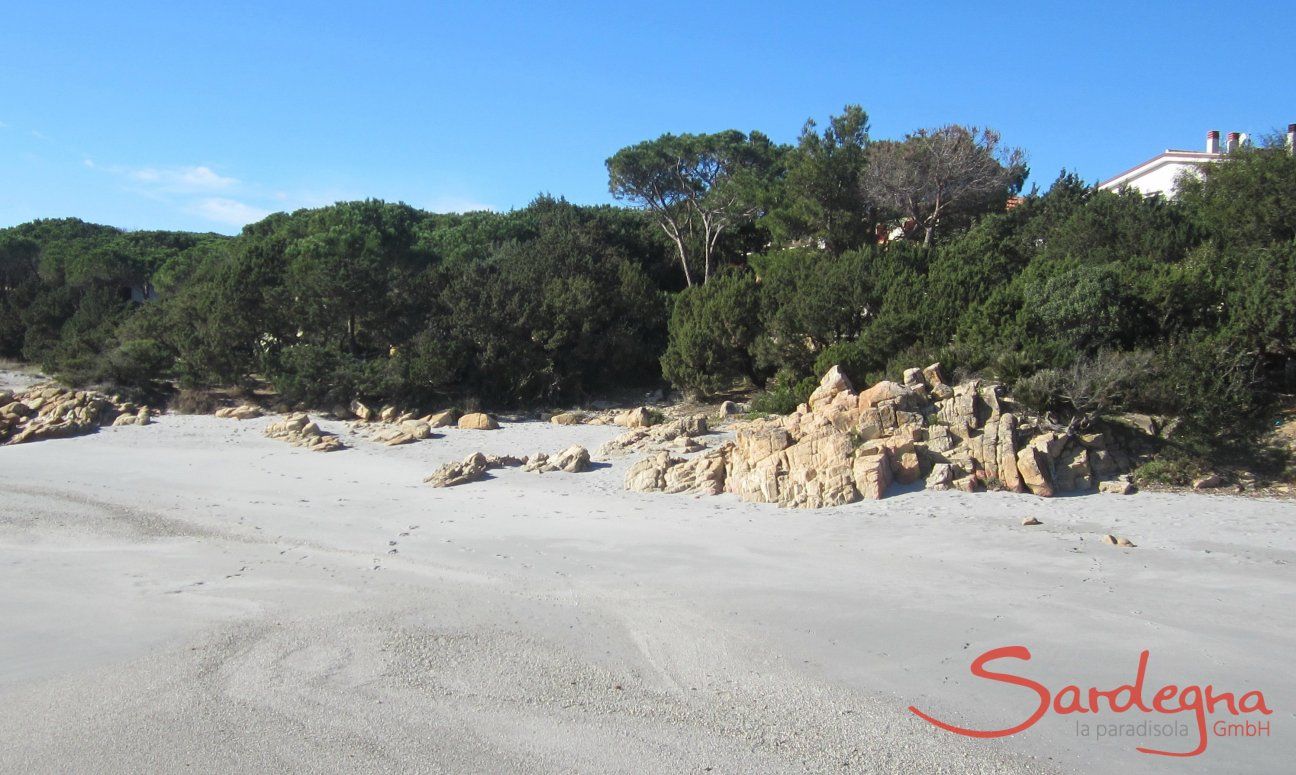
(744,266)
(362,299)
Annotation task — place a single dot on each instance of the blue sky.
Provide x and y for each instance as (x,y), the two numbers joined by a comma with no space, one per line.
(205,116)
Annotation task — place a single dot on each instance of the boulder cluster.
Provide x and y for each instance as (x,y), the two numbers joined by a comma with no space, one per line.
(663,472)
(404,432)
(639,417)
(404,427)
(569,418)
(470,469)
(574,460)
(674,436)
(51,411)
(843,446)
(300,431)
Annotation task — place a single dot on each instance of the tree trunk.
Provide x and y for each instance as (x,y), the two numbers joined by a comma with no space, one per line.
(688,278)
(679,250)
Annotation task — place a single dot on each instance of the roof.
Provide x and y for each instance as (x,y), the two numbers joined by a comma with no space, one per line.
(1168,156)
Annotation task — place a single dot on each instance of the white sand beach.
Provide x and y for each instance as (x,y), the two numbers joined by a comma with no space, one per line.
(192,596)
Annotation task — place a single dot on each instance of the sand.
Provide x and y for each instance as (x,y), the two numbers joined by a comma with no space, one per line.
(191,596)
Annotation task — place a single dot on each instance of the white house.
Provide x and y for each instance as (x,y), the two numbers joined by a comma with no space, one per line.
(1159,174)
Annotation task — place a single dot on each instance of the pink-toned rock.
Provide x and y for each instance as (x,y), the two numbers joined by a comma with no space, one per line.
(478,421)
(833,384)
(445,419)
(702,475)
(841,447)
(1033,466)
(639,417)
(884,391)
(872,474)
(1117,487)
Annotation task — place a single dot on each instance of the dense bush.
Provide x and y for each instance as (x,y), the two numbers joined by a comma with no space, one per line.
(783,394)
(712,330)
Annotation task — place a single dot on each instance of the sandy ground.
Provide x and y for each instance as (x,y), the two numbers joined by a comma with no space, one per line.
(192,596)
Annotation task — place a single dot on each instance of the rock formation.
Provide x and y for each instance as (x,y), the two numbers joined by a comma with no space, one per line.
(655,437)
(240,412)
(444,419)
(573,460)
(50,411)
(401,432)
(702,475)
(477,421)
(568,418)
(842,446)
(300,431)
(639,417)
(470,469)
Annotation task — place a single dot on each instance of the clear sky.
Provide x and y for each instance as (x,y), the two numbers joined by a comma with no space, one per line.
(207,115)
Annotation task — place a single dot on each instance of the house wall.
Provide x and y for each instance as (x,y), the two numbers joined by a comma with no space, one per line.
(1157,177)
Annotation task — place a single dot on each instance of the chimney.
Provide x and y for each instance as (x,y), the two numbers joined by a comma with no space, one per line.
(1291,138)
(1212,141)
(1232,142)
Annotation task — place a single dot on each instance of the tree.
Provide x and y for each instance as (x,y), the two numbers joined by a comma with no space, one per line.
(939,174)
(712,329)
(19,258)
(345,270)
(557,318)
(1246,199)
(697,187)
(823,197)
(809,302)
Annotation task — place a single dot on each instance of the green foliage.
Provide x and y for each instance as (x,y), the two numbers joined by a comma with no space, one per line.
(1176,470)
(712,330)
(783,394)
(555,319)
(1246,202)
(822,194)
(315,374)
(1080,308)
(139,363)
(809,301)
(699,188)
(1092,386)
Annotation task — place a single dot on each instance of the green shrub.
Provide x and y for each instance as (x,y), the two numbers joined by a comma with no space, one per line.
(194,402)
(712,330)
(1177,471)
(783,394)
(1090,387)
(138,363)
(313,375)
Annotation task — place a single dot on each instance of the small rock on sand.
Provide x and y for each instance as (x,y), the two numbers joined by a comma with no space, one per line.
(1208,482)
(478,421)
